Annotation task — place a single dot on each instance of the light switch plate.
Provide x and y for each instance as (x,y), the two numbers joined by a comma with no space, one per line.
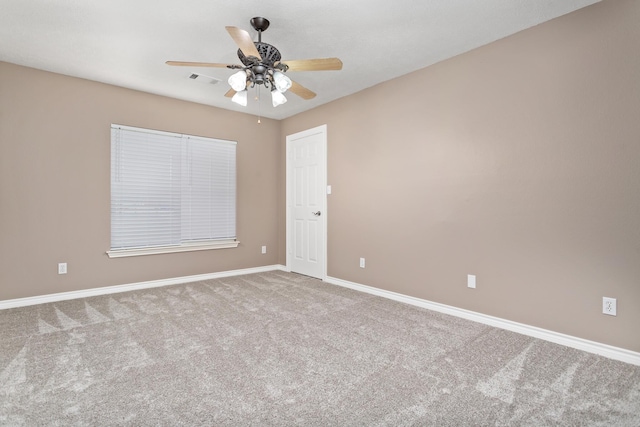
(471,281)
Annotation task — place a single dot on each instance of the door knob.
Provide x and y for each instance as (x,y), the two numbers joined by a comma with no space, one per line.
(316,213)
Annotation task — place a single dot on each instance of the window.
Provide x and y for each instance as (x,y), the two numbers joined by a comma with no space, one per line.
(170,192)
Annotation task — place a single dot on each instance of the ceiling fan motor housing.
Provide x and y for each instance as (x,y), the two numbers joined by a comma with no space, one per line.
(260,68)
(270,55)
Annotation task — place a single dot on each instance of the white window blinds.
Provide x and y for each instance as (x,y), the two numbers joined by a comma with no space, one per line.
(208,190)
(171,190)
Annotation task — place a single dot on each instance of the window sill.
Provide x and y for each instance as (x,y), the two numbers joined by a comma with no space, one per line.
(222,244)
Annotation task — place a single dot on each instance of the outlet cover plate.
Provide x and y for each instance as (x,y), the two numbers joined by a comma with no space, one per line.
(609,306)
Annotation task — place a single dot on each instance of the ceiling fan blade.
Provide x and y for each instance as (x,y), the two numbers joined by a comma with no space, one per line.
(301,91)
(320,64)
(197,64)
(230,93)
(244,42)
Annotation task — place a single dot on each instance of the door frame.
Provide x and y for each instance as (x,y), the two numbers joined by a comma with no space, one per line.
(322,129)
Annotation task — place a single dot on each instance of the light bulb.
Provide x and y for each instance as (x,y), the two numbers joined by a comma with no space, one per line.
(240,98)
(277,98)
(281,81)
(238,81)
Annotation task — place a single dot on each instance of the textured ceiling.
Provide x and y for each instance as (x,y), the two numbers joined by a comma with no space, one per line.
(126,42)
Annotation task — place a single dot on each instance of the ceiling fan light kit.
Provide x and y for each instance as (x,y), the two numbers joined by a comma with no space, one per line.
(277,98)
(282,82)
(238,81)
(262,66)
(240,98)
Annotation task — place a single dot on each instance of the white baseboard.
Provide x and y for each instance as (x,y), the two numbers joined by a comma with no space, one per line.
(41,299)
(605,350)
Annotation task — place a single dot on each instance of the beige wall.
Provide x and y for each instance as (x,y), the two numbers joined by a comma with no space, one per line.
(518,162)
(54,183)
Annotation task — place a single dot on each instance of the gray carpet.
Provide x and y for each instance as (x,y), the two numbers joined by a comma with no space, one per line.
(284,349)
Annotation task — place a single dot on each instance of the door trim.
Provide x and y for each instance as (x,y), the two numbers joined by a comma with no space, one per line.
(322,129)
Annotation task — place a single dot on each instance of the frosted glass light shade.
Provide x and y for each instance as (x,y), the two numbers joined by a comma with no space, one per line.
(281,81)
(238,81)
(240,98)
(277,98)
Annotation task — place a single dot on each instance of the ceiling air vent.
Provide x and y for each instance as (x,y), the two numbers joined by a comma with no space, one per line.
(203,79)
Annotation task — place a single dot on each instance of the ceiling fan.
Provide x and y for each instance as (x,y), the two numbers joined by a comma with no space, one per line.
(262,65)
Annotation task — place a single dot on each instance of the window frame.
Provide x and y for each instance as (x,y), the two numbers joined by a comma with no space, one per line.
(188,246)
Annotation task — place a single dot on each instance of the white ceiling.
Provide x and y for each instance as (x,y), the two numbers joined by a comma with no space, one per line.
(126,42)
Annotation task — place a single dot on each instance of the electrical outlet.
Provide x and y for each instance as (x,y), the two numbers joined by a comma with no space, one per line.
(471,281)
(609,306)
(62,268)
(264,249)
(361,262)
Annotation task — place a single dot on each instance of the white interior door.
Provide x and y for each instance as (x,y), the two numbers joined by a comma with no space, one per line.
(306,202)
